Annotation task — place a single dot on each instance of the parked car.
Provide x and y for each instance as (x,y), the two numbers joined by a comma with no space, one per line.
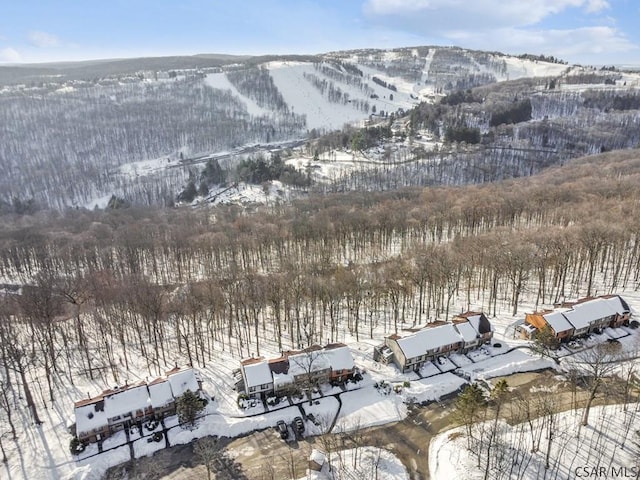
(282,429)
(298,424)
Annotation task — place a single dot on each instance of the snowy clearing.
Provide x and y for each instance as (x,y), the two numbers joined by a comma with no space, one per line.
(369,407)
(366,462)
(221,82)
(608,443)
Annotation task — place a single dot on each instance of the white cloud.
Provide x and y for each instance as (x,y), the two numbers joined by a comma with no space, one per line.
(43,39)
(445,14)
(588,45)
(595,6)
(588,41)
(513,26)
(9,55)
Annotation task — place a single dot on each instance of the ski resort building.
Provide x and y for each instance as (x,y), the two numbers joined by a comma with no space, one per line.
(296,371)
(581,317)
(121,407)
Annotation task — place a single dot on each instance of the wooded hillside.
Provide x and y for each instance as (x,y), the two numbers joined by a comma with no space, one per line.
(394,257)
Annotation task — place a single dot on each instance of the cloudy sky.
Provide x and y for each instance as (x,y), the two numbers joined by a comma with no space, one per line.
(599,32)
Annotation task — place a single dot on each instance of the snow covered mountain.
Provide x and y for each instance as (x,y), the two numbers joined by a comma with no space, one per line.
(345,87)
(70,132)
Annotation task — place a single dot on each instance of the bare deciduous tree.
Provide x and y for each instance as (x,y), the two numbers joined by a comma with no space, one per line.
(207,450)
(595,365)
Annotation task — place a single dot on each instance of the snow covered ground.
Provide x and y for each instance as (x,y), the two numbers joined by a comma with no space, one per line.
(148,167)
(330,167)
(369,407)
(366,462)
(609,443)
(44,450)
(515,361)
(221,82)
(304,99)
(365,406)
(519,68)
(432,388)
(292,80)
(246,194)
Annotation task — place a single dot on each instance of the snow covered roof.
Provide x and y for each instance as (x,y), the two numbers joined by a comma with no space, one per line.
(583,314)
(280,379)
(283,370)
(596,308)
(95,412)
(182,380)
(257,373)
(617,304)
(474,318)
(305,362)
(160,393)
(133,398)
(528,327)
(339,357)
(469,334)
(109,404)
(557,321)
(89,418)
(477,320)
(429,338)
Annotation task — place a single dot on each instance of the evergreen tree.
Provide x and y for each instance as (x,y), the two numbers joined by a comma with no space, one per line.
(203,191)
(189,193)
(468,407)
(188,407)
(499,392)
(357,142)
(116,203)
(213,174)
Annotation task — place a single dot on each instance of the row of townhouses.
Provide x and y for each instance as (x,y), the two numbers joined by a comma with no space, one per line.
(121,407)
(295,371)
(574,319)
(299,371)
(411,349)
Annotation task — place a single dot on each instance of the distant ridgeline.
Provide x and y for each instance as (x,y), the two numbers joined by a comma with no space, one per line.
(75,135)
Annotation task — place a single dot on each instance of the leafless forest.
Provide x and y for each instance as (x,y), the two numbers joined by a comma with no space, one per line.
(66,137)
(197,281)
(63,147)
(510,216)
